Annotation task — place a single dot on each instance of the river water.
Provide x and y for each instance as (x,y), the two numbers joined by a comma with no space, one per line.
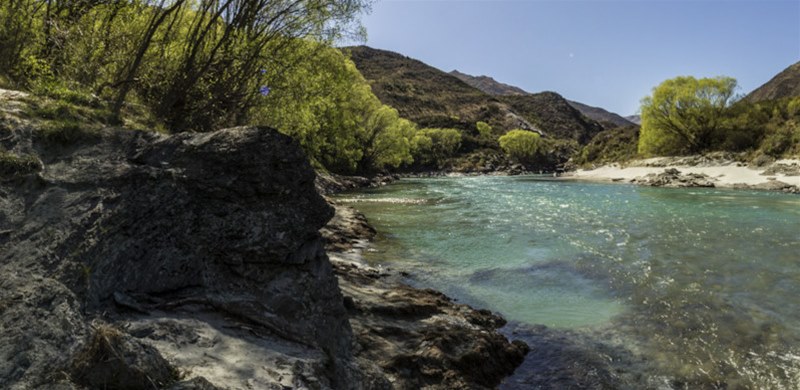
(614,286)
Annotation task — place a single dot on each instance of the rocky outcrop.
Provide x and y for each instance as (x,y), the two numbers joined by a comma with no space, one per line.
(419,338)
(673,178)
(330,183)
(770,185)
(124,255)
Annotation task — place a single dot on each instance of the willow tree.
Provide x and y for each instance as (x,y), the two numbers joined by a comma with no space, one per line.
(684,114)
(520,145)
(319,98)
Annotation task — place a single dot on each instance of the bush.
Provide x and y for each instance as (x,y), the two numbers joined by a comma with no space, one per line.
(484,130)
(520,145)
(613,145)
(434,146)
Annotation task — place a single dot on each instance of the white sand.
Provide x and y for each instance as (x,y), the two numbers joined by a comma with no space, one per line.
(726,175)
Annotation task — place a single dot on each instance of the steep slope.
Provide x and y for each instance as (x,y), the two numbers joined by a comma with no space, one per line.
(784,84)
(428,96)
(635,119)
(550,111)
(431,97)
(488,84)
(494,87)
(607,118)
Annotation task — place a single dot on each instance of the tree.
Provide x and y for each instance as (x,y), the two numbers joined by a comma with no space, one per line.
(684,114)
(520,145)
(327,105)
(433,146)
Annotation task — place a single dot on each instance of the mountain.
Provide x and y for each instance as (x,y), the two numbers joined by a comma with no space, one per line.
(785,84)
(433,98)
(494,87)
(635,119)
(550,111)
(601,115)
(488,84)
(429,96)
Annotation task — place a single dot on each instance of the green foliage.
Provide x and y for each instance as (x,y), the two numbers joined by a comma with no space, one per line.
(613,145)
(779,121)
(431,147)
(330,109)
(484,130)
(685,115)
(196,63)
(520,145)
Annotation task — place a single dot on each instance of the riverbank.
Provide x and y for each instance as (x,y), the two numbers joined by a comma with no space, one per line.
(695,171)
(415,337)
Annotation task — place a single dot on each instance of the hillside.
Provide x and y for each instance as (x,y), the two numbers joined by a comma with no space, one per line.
(494,87)
(635,119)
(550,111)
(607,118)
(488,84)
(784,84)
(431,97)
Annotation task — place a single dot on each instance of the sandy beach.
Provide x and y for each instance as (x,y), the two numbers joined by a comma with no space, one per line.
(726,173)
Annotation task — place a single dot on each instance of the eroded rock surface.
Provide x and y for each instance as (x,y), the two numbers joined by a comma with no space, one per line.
(129,229)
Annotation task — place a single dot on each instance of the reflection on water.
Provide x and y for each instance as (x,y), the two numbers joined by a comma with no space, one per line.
(640,287)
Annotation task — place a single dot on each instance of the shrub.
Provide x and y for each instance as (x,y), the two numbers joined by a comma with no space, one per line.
(484,130)
(520,145)
(434,146)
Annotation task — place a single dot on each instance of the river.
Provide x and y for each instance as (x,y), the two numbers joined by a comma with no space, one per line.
(614,286)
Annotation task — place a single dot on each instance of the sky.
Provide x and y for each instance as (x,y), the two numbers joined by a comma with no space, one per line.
(606,53)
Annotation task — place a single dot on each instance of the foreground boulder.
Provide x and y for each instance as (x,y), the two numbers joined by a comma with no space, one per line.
(131,228)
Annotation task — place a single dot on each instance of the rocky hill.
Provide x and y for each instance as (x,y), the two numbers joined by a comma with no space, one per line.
(549,110)
(428,96)
(135,260)
(784,84)
(488,84)
(431,97)
(606,118)
(494,87)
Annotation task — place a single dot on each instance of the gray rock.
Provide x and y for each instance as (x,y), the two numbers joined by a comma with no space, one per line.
(130,220)
(673,178)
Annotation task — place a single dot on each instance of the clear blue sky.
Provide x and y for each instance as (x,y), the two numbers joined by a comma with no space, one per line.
(603,53)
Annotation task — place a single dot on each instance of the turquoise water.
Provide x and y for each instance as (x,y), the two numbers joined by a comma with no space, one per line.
(699,287)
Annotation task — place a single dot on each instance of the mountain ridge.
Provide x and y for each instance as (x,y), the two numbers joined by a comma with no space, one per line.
(784,84)
(493,87)
(434,98)
(488,84)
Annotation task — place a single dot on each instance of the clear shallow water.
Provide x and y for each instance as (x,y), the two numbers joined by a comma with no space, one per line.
(701,288)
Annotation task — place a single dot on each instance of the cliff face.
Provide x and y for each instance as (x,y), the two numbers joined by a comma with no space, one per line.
(129,230)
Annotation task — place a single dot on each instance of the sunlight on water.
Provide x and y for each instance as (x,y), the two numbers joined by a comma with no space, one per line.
(703,283)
